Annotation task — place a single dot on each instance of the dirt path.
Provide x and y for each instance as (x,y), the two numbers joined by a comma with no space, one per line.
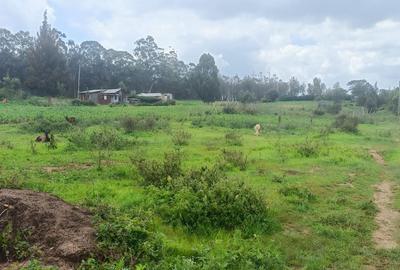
(387,218)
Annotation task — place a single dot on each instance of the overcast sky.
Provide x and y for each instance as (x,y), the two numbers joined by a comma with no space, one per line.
(335,40)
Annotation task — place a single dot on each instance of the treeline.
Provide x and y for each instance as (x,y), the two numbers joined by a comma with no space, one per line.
(48,65)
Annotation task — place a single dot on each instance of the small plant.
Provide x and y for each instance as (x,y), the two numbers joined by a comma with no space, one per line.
(158,173)
(32,145)
(236,158)
(103,141)
(13,244)
(129,239)
(230,108)
(347,123)
(52,144)
(181,138)
(148,123)
(7,144)
(299,196)
(233,138)
(308,148)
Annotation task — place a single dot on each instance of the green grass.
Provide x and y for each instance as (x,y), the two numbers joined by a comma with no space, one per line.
(331,231)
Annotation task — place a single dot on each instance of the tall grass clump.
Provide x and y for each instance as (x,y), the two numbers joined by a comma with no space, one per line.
(235,158)
(148,123)
(347,123)
(181,138)
(233,138)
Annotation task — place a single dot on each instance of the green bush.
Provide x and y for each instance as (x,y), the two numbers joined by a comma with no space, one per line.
(233,138)
(130,239)
(347,123)
(205,199)
(230,108)
(148,123)
(159,173)
(235,158)
(308,148)
(181,138)
(42,124)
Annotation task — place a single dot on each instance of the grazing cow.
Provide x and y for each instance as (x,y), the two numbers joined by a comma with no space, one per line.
(43,138)
(257,129)
(71,120)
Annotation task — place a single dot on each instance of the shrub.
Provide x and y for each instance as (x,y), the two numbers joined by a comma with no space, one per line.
(347,123)
(129,239)
(334,108)
(205,199)
(308,148)
(235,158)
(76,102)
(219,204)
(132,124)
(230,108)
(42,124)
(103,141)
(88,103)
(158,173)
(233,138)
(181,137)
(318,111)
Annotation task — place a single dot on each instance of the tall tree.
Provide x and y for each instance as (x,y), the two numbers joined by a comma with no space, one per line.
(364,94)
(204,79)
(47,63)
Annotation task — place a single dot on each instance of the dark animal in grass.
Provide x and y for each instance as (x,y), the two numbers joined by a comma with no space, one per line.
(43,138)
(71,120)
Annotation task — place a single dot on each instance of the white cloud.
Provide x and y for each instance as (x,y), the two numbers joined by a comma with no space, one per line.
(327,41)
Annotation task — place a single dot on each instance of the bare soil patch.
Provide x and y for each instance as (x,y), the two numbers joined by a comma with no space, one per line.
(63,233)
(71,166)
(387,218)
(377,157)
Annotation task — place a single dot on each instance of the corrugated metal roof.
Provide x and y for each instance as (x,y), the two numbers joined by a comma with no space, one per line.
(111,91)
(150,95)
(103,91)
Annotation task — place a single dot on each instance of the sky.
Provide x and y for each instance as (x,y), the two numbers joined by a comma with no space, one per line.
(336,40)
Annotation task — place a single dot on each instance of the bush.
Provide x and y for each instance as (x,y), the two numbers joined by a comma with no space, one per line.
(233,138)
(204,199)
(308,148)
(230,108)
(76,102)
(132,124)
(347,123)
(235,158)
(158,173)
(42,124)
(325,107)
(181,138)
(129,239)
(88,103)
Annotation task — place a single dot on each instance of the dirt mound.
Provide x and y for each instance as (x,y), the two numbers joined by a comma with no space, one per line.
(62,233)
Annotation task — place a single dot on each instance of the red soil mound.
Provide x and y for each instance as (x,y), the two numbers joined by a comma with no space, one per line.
(62,233)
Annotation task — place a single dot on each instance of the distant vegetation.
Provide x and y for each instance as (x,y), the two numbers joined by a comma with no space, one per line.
(47,65)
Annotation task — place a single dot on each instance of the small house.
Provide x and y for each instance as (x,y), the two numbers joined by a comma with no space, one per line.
(102,96)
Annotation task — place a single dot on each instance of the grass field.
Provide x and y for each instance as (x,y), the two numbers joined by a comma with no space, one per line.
(317,181)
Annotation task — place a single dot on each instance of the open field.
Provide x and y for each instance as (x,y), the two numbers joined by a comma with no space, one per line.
(317,181)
